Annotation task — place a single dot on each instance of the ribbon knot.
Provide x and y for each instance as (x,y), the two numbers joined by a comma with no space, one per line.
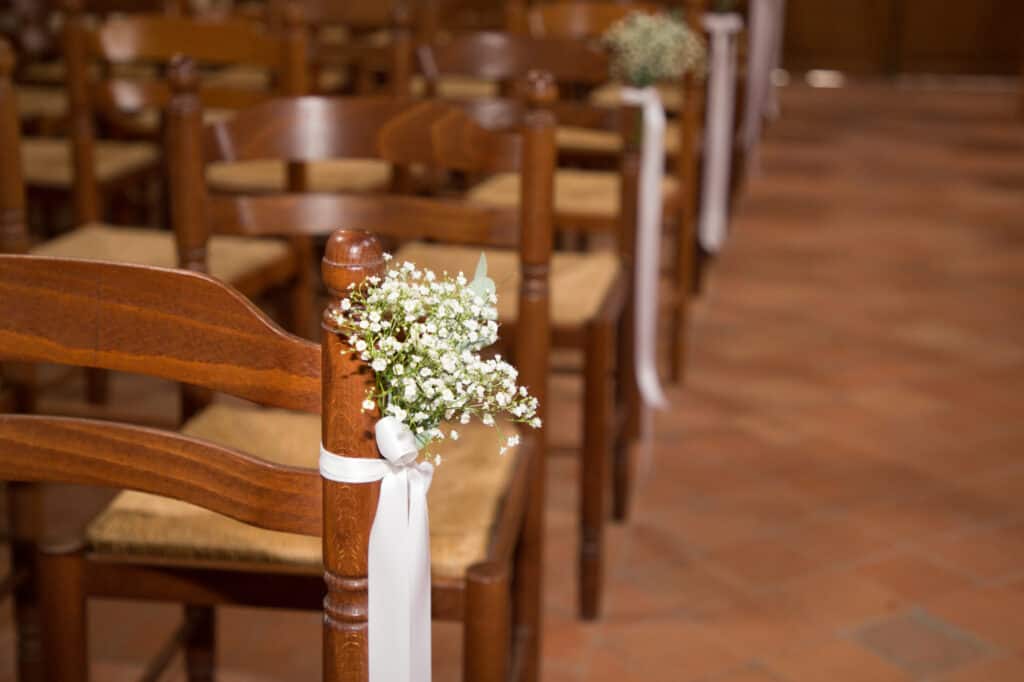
(398,565)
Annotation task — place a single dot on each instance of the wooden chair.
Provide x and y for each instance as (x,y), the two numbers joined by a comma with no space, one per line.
(101,94)
(588,21)
(486,511)
(350,64)
(591,291)
(170,323)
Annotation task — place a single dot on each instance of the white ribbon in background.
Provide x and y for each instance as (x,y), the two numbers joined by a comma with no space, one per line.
(763,56)
(714,205)
(647,273)
(399,555)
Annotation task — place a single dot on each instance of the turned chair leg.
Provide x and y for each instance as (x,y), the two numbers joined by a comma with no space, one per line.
(63,613)
(628,403)
(24,510)
(597,425)
(29,646)
(200,643)
(485,652)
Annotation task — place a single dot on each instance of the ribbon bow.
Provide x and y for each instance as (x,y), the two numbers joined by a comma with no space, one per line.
(399,553)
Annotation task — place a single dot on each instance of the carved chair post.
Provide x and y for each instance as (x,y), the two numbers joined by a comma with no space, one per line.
(23,499)
(85,186)
(533,339)
(686,174)
(402,52)
(349,509)
(183,128)
(628,392)
(13,234)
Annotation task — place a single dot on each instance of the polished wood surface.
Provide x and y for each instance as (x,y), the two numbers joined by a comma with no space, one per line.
(122,456)
(183,327)
(348,508)
(394,129)
(448,220)
(127,456)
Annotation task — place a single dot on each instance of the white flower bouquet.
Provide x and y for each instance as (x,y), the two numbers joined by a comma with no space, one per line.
(648,48)
(422,335)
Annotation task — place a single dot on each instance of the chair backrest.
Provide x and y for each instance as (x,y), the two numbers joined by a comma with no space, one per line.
(13,233)
(579,20)
(378,37)
(191,328)
(97,93)
(406,132)
(578,66)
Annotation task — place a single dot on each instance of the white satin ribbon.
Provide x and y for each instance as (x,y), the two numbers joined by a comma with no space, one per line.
(763,53)
(714,205)
(399,553)
(647,272)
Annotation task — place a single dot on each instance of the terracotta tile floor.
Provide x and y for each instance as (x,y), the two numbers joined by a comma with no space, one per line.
(837,493)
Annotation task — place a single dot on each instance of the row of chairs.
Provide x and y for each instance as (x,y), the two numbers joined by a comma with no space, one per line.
(299,139)
(193,329)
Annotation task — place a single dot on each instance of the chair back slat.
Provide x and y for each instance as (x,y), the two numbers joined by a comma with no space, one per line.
(319,214)
(124,456)
(176,325)
(581,20)
(497,56)
(157,38)
(403,131)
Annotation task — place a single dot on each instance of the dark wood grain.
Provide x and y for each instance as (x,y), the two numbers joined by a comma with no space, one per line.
(403,131)
(401,216)
(60,449)
(180,326)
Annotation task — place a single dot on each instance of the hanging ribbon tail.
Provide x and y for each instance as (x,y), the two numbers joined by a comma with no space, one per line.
(648,243)
(398,564)
(714,204)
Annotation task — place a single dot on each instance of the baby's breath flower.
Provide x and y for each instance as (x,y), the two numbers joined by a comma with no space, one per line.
(422,335)
(648,48)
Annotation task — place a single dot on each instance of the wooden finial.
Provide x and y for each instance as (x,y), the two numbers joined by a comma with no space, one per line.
(182,74)
(350,256)
(541,89)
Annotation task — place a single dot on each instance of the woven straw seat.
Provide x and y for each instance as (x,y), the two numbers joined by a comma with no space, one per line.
(465,497)
(578,194)
(46,161)
(36,101)
(589,140)
(610,95)
(580,282)
(333,175)
(230,258)
(457,87)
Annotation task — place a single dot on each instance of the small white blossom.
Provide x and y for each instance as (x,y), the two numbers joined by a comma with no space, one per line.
(368,405)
